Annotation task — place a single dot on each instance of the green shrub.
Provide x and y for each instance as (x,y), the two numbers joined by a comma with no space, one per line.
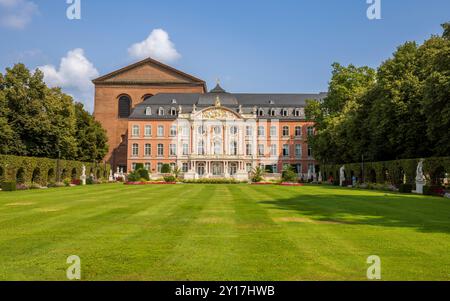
(139,166)
(90,181)
(405,188)
(143,174)
(289,175)
(166,169)
(170,179)
(257,175)
(67,182)
(9,186)
(139,175)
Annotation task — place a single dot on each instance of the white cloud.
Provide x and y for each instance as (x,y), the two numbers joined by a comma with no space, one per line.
(74,76)
(17,13)
(157,46)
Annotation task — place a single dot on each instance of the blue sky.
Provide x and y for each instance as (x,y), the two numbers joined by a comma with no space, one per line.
(251,45)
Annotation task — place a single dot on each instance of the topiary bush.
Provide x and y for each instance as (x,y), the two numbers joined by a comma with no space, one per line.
(143,174)
(405,188)
(170,179)
(9,186)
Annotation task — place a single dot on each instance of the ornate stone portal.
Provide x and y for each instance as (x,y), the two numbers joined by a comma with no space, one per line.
(217,113)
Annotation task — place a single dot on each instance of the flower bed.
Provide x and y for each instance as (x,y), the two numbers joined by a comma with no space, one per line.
(150,183)
(291,184)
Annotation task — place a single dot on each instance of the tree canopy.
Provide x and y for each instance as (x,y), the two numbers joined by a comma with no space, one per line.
(399,111)
(39,121)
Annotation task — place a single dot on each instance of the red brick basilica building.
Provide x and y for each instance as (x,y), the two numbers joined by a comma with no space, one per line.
(155,114)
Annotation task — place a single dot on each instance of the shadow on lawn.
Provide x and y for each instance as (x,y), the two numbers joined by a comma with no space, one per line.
(426,214)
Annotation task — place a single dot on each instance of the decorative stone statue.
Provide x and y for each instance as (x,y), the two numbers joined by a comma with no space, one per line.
(111,177)
(342,176)
(420,178)
(83,175)
(419,172)
(240,109)
(194,108)
(320,177)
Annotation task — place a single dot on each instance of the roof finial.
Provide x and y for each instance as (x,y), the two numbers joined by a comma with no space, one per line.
(218,81)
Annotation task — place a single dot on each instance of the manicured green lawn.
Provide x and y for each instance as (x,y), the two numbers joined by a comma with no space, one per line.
(222,232)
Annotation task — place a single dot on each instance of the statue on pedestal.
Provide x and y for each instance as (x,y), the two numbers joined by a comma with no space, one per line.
(342,176)
(83,175)
(420,178)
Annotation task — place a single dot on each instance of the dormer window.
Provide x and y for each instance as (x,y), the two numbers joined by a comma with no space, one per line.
(272,112)
(160,111)
(148,111)
(299,112)
(260,112)
(285,112)
(174,101)
(173,111)
(271,102)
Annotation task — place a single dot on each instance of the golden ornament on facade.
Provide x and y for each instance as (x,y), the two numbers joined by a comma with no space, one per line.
(218,114)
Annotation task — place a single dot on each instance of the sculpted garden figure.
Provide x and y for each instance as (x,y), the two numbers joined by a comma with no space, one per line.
(342,176)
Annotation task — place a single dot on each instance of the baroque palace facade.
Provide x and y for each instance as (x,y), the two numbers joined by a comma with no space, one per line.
(155,115)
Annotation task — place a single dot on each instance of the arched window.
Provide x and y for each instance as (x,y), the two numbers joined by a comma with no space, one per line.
(173,111)
(124,106)
(260,112)
(272,112)
(148,111)
(285,113)
(160,111)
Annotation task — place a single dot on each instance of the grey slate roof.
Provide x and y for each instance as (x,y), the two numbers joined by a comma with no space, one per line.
(247,101)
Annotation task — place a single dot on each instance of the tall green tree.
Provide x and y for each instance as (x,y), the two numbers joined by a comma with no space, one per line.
(44,122)
(336,129)
(91,137)
(434,59)
(402,111)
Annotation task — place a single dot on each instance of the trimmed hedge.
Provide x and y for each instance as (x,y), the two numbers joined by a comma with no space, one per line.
(43,171)
(9,186)
(393,172)
(405,188)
